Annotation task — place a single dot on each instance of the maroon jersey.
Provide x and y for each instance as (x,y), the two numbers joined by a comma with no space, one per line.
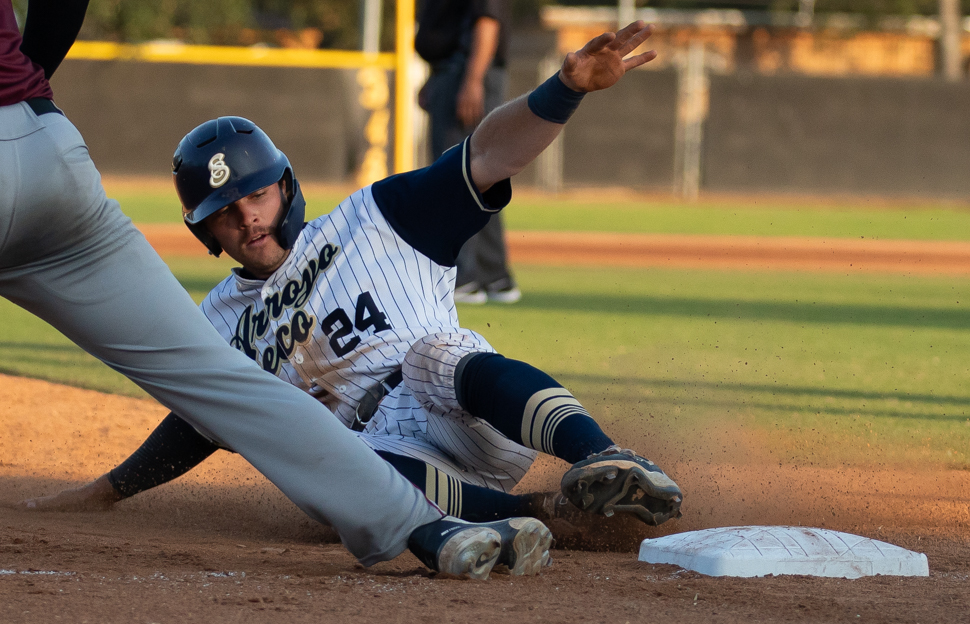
(20,78)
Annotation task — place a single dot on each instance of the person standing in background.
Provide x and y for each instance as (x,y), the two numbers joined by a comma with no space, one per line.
(466,43)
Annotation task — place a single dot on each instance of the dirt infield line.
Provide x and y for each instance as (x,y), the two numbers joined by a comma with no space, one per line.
(727,252)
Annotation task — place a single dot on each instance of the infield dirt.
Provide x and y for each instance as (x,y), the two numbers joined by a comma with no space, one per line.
(222,545)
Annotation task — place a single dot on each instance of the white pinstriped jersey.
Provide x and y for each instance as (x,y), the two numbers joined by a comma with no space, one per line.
(361,284)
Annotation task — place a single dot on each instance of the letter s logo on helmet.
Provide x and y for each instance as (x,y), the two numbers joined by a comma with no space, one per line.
(218,170)
(206,184)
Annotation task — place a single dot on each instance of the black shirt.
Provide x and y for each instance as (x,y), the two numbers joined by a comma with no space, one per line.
(445,27)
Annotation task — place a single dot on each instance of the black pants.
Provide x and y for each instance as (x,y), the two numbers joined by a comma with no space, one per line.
(483,258)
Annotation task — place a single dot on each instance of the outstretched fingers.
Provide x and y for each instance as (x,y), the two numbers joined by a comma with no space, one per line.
(629,39)
(601,63)
(633,35)
(639,59)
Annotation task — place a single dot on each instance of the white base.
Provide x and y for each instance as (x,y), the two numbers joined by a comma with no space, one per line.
(763,550)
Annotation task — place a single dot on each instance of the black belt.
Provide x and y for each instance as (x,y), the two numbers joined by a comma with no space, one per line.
(368,404)
(42,106)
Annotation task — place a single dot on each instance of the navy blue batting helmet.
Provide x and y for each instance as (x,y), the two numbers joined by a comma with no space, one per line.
(224,160)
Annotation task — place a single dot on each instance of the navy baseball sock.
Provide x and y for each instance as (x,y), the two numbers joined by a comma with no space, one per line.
(456,498)
(527,406)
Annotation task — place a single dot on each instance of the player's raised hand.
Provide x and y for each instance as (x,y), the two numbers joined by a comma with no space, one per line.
(512,135)
(601,63)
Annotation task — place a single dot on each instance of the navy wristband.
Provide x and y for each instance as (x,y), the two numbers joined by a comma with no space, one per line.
(554,101)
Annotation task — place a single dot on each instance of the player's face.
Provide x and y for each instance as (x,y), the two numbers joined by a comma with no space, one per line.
(246,227)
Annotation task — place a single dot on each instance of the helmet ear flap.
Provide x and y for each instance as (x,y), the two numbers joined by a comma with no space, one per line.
(203,234)
(292,222)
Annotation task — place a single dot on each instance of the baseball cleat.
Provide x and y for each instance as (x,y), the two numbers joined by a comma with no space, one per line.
(565,520)
(619,481)
(525,546)
(453,546)
(517,546)
(554,506)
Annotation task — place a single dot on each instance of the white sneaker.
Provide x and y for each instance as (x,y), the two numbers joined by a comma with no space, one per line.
(509,295)
(503,290)
(470,293)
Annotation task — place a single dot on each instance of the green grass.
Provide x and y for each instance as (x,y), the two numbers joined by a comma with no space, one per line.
(842,367)
(849,368)
(914,222)
(929,221)
(30,347)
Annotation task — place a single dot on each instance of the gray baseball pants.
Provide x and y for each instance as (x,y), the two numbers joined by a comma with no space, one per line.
(69,255)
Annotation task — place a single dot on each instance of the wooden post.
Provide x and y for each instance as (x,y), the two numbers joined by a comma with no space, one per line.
(692,106)
(950,32)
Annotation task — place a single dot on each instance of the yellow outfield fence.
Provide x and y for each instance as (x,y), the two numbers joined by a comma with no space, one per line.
(176,52)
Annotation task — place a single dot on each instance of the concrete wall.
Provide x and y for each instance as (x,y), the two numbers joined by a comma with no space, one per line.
(624,137)
(763,133)
(133,114)
(836,135)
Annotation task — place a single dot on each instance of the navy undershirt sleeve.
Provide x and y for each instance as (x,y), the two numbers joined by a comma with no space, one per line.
(172,449)
(50,31)
(438,208)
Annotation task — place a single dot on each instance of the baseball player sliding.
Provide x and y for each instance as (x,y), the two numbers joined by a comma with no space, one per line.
(357,309)
(69,255)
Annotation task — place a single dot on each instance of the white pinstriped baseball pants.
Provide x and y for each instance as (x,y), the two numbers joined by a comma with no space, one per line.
(68,255)
(421,418)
